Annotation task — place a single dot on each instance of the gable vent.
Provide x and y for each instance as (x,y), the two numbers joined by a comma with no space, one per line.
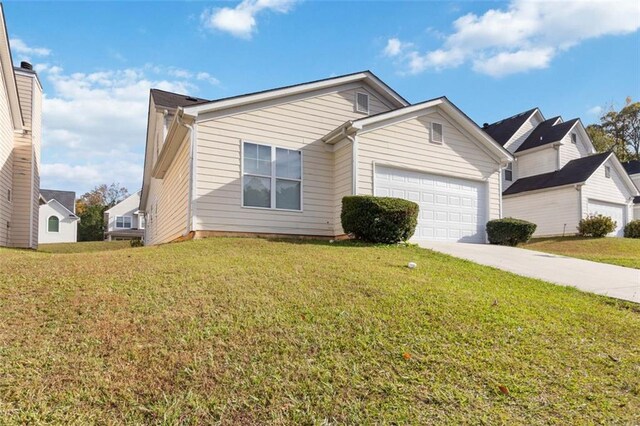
(436,132)
(362,102)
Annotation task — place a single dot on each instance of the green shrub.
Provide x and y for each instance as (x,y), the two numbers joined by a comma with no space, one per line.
(632,230)
(510,231)
(136,242)
(596,225)
(379,219)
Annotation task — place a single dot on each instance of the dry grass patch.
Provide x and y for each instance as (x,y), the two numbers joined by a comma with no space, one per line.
(250,331)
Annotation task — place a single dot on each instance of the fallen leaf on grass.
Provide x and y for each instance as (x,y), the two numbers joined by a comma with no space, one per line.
(504,389)
(406,355)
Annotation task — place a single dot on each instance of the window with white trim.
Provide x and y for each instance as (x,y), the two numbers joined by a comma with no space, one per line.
(123,222)
(9,195)
(271,177)
(508,173)
(607,171)
(436,133)
(53,224)
(362,102)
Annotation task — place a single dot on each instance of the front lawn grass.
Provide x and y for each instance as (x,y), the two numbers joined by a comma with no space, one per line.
(251,331)
(83,247)
(617,251)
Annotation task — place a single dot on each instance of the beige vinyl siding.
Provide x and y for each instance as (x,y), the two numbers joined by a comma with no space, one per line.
(168,198)
(407,145)
(601,188)
(343,171)
(538,162)
(296,124)
(6,161)
(22,219)
(572,151)
(519,137)
(555,211)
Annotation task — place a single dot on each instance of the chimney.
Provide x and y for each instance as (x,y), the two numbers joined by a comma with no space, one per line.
(26,65)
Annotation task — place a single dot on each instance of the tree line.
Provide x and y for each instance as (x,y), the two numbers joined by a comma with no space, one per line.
(618,131)
(90,207)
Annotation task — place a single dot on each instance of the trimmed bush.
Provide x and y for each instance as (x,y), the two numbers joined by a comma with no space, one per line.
(596,225)
(510,231)
(632,230)
(379,219)
(136,242)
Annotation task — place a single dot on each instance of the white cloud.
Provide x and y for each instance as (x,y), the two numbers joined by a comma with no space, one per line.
(240,21)
(525,35)
(94,124)
(20,47)
(394,47)
(596,111)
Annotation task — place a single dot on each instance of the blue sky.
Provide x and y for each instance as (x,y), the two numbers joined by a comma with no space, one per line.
(97,61)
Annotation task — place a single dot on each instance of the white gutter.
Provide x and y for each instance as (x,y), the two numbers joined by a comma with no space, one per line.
(192,152)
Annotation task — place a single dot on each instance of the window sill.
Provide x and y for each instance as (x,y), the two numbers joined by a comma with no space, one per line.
(272,209)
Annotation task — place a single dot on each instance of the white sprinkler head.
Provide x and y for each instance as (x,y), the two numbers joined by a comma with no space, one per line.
(412,265)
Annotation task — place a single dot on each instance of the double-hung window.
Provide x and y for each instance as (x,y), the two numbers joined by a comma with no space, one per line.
(123,222)
(272,177)
(508,173)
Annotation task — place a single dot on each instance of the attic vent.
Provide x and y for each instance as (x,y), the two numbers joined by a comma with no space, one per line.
(362,102)
(436,132)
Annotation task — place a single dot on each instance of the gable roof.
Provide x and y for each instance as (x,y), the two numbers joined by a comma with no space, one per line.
(547,132)
(174,100)
(632,167)
(66,198)
(574,172)
(411,110)
(247,98)
(503,130)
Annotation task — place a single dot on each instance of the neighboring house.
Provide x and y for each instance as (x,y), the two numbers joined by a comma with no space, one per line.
(279,162)
(557,178)
(633,169)
(124,221)
(58,220)
(20,130)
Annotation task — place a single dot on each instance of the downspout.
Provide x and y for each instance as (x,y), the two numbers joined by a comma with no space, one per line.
(192,135)
(500,170)
(354,161)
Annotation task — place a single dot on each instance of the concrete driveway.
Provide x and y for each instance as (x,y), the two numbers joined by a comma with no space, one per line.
(600,278)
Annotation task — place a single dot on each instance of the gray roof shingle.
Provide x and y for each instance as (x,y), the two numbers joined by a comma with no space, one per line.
(575,171)
(632,167)
(501,131)
(174,100)
(547,132)
(66,198)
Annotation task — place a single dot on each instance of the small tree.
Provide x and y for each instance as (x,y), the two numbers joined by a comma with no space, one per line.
(90,207)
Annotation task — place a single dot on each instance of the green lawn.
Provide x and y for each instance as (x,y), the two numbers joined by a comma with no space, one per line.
(83,247)
(251,331)
(617,251)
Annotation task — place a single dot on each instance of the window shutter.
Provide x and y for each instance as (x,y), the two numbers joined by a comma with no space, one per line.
(362,102)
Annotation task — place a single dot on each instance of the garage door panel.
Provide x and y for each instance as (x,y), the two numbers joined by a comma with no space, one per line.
(451,209)
(617,212)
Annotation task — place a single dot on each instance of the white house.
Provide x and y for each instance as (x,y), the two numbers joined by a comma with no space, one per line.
(633,169)
(279,162)
(557,178)
(124,221)
(57,217)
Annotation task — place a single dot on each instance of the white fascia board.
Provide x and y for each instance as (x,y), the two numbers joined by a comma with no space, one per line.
(293,90)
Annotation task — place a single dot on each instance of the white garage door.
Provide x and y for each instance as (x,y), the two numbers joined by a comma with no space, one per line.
(451,209)
(616,212)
